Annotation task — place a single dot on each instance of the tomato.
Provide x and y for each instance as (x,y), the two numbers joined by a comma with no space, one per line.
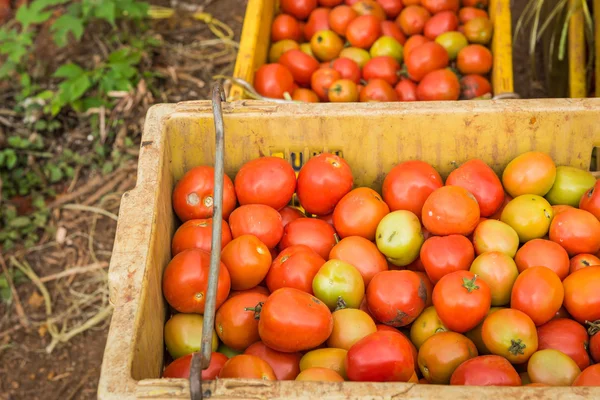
(339,284)
(437,6)
(511,334)
(326,45)
(322,183)
(391,7)
(340,17)
(349,326)
(530,173)
(289,214)
(358,213)
(475,334)
(302,66)
(567,336)
(180,368)
(570,185)
(540,252)
(383,67)
(399,237)
(590,201)
(273,80)
(552,367)
(406,90)
(493,235)
(305,95)
(412,19)
(294,267)
(539,293)
(362,254)
(321,81)
(281,47)
(472,86)
(369,7)
(475,3)
(183,335)
(582,297)
(285,365)
(427,57)
(466,14)
(588,377)
(499,271)
(193,194)
(594,344)
(428,287)
(380,357)
(318,374)
(481,181)
(445,21)
(442,353)
(452,42)
(363,31)
(235,326)
(300,9)
(426,325)
(285,27)
(474,59)
(479,30)
(409,184)
(441,84)
(450,210)
(259,220)
(578,231)
(312,232)
(226,351)
(378,90)
(329,358)
(197,234)
(389,28)
(583,260)
(186,278)
(486,371)
(318,21)
(396,298)
(412,43)
(348,69)
(247,366)
(330,3)
(529,216)
(343,91)
(442,255)
(247,260)
(359,56)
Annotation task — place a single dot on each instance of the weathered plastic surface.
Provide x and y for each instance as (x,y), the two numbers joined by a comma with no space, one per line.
(372,138)
(256,39)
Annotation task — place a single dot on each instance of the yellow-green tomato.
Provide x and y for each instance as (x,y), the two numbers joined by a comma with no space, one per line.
(334,359)
(349,326)
(305,47)
(529,215)
(426,325)
(387,46)
(570,184)
(326,45)
(499,271)
(494,235)
(552,367)
(228,351)
(339,284)
(453,42)
(399,237)
(183,334)
(278,48)
(359,56)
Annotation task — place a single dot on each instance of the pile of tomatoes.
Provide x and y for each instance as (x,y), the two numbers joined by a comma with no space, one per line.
(378,50)
(478,280)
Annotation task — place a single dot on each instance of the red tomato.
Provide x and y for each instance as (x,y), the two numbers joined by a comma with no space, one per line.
(327,218)
(247,366)
(193,194)
(442,255)
(311,232)
(450,210)
(347,68)
(330,3)
(588,377)
(300,9)
(461,300)
(409,184)
(577,231)
(285,365)
(247,260)
(595,343)
(180,368)
(273,80)
(383,67)
(322,182)
(340,17)
(441,22)
(583,260)
(318,21)
(389,28)
(466,14)
(378,90)
(289,214)
(441,84)
(358,213)
(292,320)
(266,180)
(539,293)
(567,336)
(300,64)
(369,7)
(541,252)
(474,59)
(185,281)
(590,201)
(235,326)
(582,297)
(396,298)
(412,20)
(391,7)
(362,254)
(294,267)
(482,182)
(321,81)
(380,357)
(363,31)
(475,3)
(486,371)
(406,90)
(436,6)
(413,42)
(426,58)
(472,86)
(197,234)
(285,27)
(259,220)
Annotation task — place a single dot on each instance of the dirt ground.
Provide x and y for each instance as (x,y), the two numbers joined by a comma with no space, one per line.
(71,370)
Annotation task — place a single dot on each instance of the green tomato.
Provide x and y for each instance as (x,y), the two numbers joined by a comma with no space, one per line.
(183,334)
(339,284)
(453,42)
(359,56)
(529,215)
(387,46)
(305,47)
(228,351)
(570,184)
(399,237)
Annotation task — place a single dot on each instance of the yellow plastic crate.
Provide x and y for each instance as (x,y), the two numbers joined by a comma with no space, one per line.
(372,138)
(577,52)
(256,40)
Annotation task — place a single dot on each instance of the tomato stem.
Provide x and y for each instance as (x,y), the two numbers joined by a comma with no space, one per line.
(594,327)
(257,309)
(341,304)
(516,347)
(336,238)
(469,284)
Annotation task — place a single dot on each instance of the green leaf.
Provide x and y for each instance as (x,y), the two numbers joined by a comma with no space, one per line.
(19,222)
(107,12)
(64,25)
(69,71)
(35,12)
(119,56)
(11,158)
(124,70)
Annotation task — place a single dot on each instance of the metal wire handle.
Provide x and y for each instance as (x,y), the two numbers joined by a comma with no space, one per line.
(201,360)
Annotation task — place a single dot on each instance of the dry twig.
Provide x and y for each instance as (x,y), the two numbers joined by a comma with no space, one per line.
(24,321)
(74,271)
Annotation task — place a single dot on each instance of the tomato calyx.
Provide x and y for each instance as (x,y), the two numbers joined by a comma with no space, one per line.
(341,304)
(257,309)
(470,284)
(516,347)
(336,238)
(594,327)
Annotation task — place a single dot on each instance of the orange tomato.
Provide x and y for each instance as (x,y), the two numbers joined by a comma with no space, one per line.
(539,293)
(578,231)
(541,252)
(450,210)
